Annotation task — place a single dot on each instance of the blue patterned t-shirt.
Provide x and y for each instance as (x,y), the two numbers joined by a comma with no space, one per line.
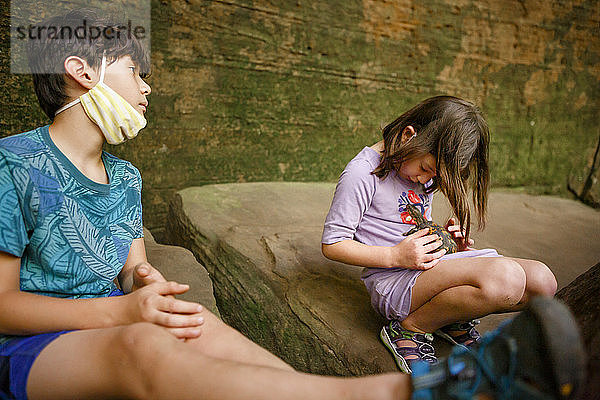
(73,234)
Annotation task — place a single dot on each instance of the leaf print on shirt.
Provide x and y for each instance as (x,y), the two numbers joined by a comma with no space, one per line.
(86,240)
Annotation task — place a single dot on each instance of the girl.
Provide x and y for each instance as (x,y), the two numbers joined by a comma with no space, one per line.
(440,144)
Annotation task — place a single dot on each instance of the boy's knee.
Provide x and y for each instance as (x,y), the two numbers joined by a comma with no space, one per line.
(138,336)
(141,347)
(213,327)
(215,332)
(506,284)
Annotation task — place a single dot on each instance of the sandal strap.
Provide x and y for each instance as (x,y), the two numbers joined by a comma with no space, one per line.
(421,347)
(462,326)
(468,334)
(469,337)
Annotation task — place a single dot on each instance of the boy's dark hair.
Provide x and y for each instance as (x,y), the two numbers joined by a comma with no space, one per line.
(456,134)
(48,52)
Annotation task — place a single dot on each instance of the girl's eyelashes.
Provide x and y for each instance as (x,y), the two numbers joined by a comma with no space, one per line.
(426,169)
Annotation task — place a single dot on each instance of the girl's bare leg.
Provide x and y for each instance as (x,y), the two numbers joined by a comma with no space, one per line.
(145,361)
(468,288)
(463,289)
(540,281)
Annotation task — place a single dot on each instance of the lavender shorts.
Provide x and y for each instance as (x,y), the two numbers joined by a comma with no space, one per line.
(391,288)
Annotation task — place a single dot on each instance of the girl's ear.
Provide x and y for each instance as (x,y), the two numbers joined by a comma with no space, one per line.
(408,133)
(79,71)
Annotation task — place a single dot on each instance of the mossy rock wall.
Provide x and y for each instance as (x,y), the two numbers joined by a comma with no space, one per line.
(291,90)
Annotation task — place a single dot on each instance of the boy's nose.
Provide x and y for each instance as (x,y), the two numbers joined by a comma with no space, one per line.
(146,90)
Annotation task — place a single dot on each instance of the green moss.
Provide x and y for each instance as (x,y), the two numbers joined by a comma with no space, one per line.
(293,90)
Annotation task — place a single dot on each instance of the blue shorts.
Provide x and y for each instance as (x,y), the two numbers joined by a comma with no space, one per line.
(16,358)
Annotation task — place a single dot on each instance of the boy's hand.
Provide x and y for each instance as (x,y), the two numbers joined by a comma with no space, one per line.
(144,274)
(416,251)
(155,303)
(458,235)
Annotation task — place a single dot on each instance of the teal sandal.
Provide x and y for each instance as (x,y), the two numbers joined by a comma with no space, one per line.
(460,333)
(407,346)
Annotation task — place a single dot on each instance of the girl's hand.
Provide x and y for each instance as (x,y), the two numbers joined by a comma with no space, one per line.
(458,235)
(155,303)
(416,251)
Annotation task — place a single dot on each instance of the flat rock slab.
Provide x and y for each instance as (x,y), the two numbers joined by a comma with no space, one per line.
(178,264)
(261,245)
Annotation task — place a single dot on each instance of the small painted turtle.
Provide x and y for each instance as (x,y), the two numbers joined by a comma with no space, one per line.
(448,242)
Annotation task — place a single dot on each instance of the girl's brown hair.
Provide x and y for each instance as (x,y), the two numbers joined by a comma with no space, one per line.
(456,134)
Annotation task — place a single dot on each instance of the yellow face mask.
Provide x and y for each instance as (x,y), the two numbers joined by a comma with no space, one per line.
(116,118)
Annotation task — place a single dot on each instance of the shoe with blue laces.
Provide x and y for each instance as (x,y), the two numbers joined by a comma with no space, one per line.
(537,355)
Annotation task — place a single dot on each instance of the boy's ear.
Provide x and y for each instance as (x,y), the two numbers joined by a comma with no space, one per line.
(79,70)
(408,133)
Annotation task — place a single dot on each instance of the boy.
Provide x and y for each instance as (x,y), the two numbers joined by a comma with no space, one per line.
(70,224)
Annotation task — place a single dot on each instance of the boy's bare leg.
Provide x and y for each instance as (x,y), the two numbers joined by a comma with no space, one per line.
(219,340)
(145,361)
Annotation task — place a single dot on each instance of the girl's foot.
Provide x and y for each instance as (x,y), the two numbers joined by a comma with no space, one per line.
(407,346)
(537,355)
(460,333)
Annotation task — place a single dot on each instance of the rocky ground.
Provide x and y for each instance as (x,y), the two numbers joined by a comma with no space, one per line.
(260,243)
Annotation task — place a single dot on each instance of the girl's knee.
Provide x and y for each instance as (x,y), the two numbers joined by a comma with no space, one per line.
(540,279)
(505,283)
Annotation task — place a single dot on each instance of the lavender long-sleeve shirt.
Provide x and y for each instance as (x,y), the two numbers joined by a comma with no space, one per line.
(370,210)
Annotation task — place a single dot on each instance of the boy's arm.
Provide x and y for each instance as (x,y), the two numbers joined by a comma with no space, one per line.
(19,310)
(23,313)
(414,252)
